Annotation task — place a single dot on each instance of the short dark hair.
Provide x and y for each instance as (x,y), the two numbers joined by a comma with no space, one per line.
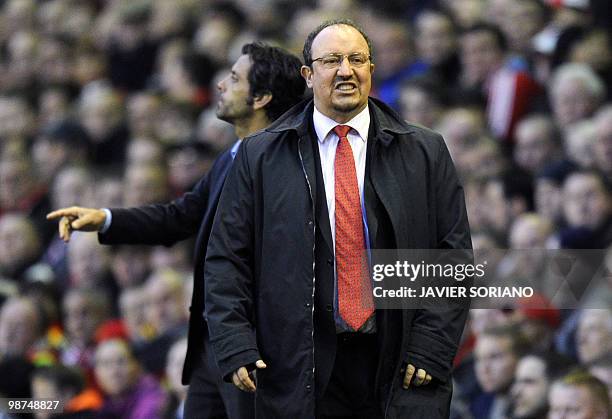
(66,379)
(498,35)
(277,72)
(555,365)
(307,52)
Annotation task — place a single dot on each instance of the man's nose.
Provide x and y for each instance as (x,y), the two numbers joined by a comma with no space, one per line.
(345,68)
(221,85)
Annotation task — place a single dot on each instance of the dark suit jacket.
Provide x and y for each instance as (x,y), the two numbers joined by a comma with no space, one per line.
(169,223)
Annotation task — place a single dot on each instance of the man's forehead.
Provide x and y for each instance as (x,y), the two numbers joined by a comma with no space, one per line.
(242,64)
(340,35)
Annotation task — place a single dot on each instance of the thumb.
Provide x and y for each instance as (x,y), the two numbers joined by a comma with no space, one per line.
(260,364)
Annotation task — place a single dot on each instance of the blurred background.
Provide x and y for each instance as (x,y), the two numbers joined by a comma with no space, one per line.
(112,103)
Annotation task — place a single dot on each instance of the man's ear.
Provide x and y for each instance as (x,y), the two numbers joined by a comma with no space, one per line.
(261,101)
(307,74)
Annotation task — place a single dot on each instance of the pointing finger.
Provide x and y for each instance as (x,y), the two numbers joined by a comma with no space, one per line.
(63,212)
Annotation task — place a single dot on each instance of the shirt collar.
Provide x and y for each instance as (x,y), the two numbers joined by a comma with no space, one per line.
(324,124)
(234,149)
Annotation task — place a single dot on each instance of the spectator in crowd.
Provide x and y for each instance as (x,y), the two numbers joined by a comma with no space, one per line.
(177,390)
(536,143)
(130,265)
(84,310)
(461,128)
(22,191)
(89,264)
(20,245)
(534,375)
(165,313)
(486,76)
(602,369)
(497,352)
(578,395)
(548,196)
(67,386)
(506,197)
(132,303)
(186,163)
(394,61)
(594,335)
(16,118)
(59,144)
(603,143)
(143,109)
(21,327)
(421,101)
(127,392)
(436,44)
(579,143)
(575,92)
(520,22)
(145,184)
(587,210)
(164,307)
(144,151)
(101,112)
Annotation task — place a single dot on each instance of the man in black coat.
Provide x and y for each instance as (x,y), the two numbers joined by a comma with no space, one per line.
(264,83)
(296,214)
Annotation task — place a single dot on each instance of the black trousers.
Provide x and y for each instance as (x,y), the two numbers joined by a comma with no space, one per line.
(350,393)
(209,397)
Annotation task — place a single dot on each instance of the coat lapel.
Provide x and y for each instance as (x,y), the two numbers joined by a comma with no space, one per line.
(213,199)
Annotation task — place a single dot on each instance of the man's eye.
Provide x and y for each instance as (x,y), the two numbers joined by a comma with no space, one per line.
(359,60)
(331,61)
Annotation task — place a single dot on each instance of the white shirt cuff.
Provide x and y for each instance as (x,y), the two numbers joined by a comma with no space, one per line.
(107,222)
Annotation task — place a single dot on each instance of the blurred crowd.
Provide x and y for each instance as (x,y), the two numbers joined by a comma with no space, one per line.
(110,103)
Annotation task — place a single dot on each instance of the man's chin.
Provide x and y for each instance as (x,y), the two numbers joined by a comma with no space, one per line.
(222,116)
(348,106)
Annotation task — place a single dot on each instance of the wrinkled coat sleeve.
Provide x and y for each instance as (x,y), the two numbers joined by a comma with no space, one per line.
(229,270)
(157,224)
(436,329)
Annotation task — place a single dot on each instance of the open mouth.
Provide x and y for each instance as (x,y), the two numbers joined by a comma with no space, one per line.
(345,87)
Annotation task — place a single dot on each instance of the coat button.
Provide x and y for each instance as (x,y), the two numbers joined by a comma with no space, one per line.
(329,307)
(330,261)
(307,305)
(308,387)
(309,222)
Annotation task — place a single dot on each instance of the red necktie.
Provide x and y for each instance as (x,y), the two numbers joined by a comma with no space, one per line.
(354,287)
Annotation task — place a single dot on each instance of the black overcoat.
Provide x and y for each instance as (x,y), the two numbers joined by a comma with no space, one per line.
(268,293)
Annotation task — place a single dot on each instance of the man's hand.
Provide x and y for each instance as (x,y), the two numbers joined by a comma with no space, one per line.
(420,379)
(245,380)
(77,218)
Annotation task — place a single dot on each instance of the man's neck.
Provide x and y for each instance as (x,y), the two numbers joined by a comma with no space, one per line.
(251,125)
